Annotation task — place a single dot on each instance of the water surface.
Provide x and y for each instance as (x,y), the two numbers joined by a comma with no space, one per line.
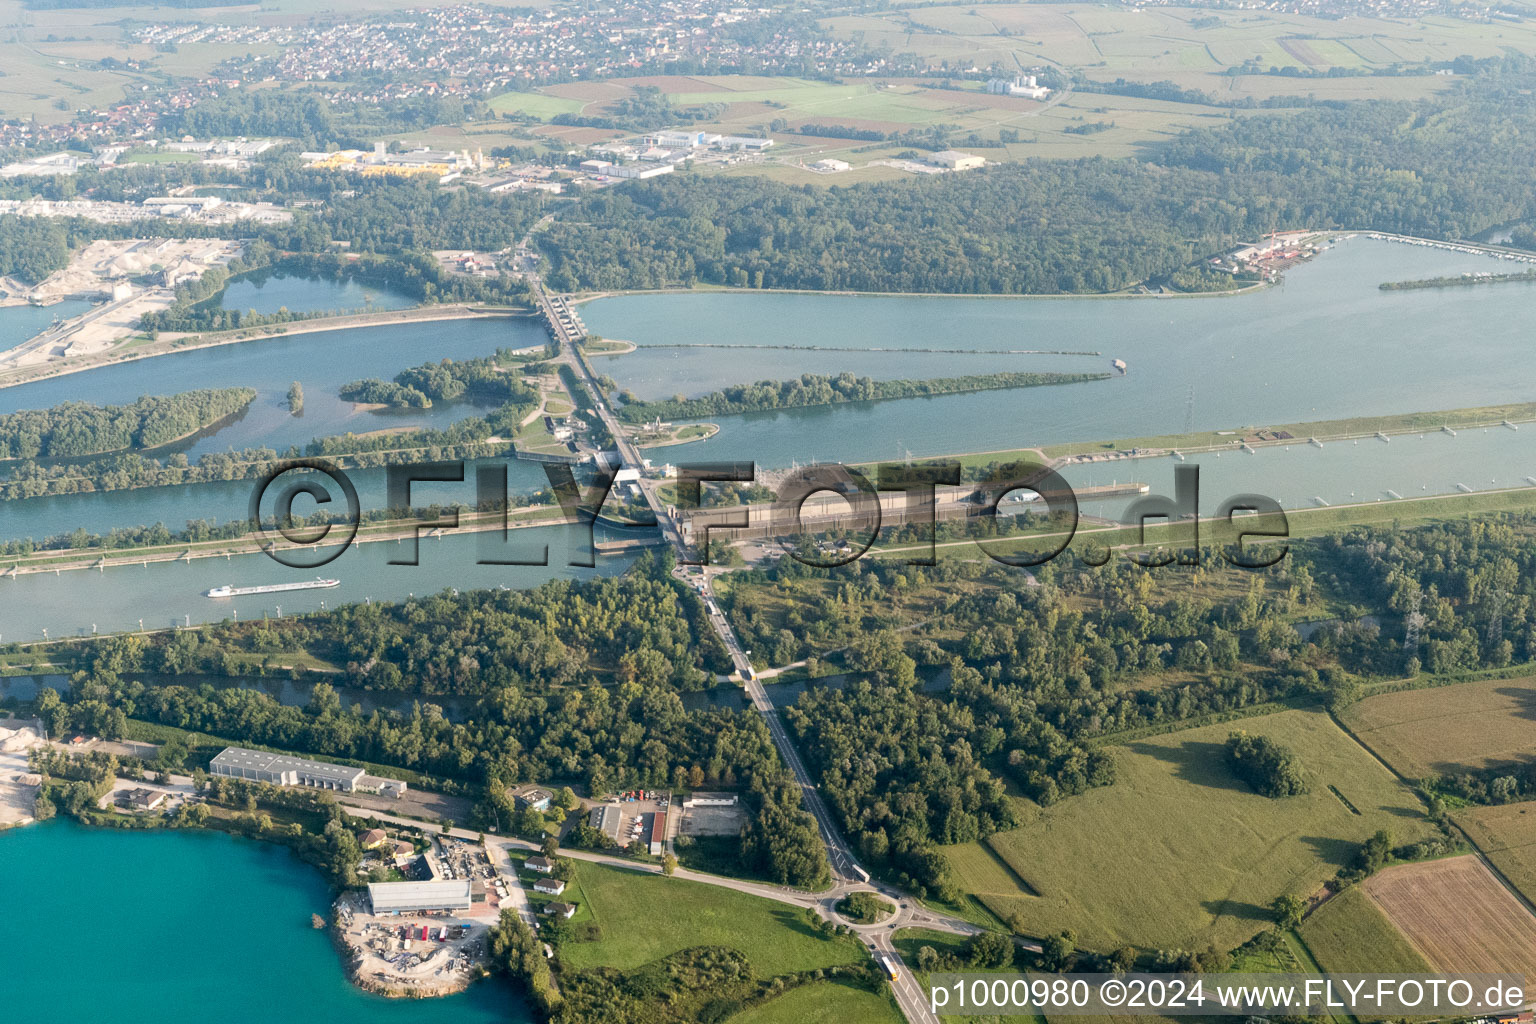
(187,927)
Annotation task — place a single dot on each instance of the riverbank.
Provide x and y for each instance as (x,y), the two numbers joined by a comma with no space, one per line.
(141,347)
(395,530)
(1353,428)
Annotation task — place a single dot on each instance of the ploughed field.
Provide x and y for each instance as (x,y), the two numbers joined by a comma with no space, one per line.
(1458,914)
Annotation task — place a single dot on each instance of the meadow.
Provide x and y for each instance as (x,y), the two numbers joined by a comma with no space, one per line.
(1507,837)
(824,1002)
(1350,934)
(1449,729)
(1179,852)
(645,917)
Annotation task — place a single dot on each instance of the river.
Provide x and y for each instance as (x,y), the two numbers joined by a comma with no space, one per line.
(18,323)
(322,362)
(187,926)
(1327,343)
(165,594)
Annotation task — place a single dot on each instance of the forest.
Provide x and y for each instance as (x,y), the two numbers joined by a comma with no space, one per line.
(1448,167)
(810,389)
(31,248)
(75,429)
(575,682)
(481,380)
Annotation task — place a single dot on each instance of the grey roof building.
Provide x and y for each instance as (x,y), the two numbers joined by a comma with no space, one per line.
(412,897)
(281,770)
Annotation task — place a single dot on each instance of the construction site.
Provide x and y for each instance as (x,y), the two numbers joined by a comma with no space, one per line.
(129,277)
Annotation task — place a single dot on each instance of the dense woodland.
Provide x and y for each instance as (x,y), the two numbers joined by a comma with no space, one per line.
(1449,167)
(810,389)
(76,429)
(31,248)
(481,380)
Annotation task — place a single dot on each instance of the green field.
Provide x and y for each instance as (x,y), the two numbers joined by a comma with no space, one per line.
(825,1002)
(1507,836)
(645,917)
(535,104)
(1192,47)
(1179,852)
(1348,934)
(1449,729)
(166,157)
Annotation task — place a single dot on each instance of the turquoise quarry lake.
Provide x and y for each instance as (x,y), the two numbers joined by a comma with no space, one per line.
(183,927)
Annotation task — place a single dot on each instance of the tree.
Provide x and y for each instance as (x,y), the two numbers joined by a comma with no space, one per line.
(1269,767)
(1122,959)
(296,398)
(1057,951)
(568,798)
(43,808)
(1288,910)
(668,864)
(990,949)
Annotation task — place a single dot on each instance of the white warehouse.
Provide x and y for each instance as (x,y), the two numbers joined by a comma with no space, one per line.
(415,897)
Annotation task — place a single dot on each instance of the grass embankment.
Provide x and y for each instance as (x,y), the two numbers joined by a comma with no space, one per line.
(82,558)
(824,1002)
(1303,522)
(1323,430)
(641,918)
(1179,852)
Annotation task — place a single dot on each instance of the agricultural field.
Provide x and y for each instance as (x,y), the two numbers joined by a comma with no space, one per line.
(1191,47)
(1350,934)
(826,1002)
(1458,914)
(1507,837)
(1179,852)
(642,918)
(1448,729)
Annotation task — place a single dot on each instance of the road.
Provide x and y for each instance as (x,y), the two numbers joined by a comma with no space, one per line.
(913,1003)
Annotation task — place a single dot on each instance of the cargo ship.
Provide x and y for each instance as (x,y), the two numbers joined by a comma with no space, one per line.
(272,588)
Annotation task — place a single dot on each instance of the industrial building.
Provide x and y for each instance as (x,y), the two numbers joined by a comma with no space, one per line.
(1027,86)
(638,170)
(281,770)
(710,800)
(658,833)
(955,160)
(415,897)
(533,797)
(608,820)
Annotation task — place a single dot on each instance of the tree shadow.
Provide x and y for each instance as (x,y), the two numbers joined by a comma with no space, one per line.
(796,922)
(1331,850)
(1524,698)
(1240,910)
(1197,762)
